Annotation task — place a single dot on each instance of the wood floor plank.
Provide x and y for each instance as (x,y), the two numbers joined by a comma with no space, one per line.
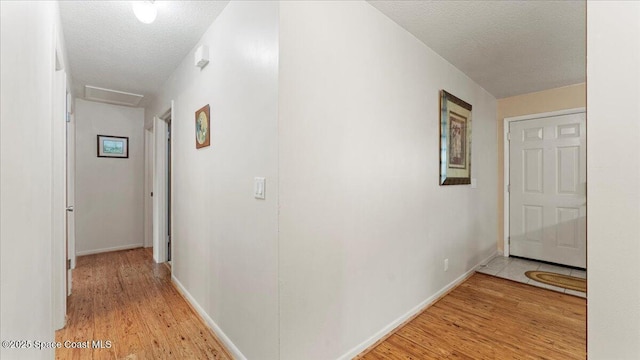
(432,343)
(413,350)
(126,298)
(491,318)
(104,305)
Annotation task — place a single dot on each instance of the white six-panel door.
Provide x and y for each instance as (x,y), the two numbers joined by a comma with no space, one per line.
(547,174)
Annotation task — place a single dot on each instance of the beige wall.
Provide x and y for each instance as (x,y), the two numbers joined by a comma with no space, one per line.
(568,97)
(116,184)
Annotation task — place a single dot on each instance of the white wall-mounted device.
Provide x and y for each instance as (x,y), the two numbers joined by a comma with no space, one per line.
(202,56)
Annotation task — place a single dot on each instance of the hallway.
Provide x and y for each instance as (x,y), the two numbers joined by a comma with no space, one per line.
(125,298)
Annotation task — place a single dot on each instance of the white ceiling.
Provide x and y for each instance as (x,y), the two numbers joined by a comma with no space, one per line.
(508,47)
(109,48)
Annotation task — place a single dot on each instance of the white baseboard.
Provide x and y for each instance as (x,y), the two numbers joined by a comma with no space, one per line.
(229,345)
(115,248)
(417,309)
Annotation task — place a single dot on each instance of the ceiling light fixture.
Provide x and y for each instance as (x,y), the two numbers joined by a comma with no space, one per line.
(145,11)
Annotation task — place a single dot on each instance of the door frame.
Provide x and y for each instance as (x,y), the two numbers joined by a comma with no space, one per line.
(506,168)
(148,185)
(59,244)
(71,173)
(160,185)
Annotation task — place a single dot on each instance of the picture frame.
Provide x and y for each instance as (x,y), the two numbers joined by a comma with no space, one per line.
(455,140)
(113,146)
(203,127)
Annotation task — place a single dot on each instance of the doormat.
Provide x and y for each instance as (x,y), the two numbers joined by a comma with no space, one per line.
(563,281)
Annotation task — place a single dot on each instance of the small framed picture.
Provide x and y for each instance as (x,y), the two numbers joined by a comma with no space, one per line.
(203,127)
(455,140)
(113,146)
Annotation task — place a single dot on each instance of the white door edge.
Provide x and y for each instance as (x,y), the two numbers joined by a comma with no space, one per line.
(59,200)
(171,202)
(159,201)
(159,189)
(506,169)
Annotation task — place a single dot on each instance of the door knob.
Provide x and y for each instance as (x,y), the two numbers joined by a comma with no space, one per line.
(70,208)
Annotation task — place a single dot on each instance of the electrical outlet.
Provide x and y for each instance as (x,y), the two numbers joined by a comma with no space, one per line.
(446,264)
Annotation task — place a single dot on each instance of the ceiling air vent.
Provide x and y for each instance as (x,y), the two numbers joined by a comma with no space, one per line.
(111,96)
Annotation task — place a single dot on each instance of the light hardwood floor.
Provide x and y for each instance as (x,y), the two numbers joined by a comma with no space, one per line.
(126,298)
(491,318)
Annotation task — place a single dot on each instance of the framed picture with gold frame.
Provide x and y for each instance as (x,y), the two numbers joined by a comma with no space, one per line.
(203,127)
(455,140)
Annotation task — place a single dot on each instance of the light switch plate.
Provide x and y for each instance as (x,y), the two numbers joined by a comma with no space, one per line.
(474,183)
(259,187)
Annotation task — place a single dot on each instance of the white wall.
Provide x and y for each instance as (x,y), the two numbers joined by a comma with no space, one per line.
(109,209)
(225,240)
(364,226)
(29,32)
(613,160)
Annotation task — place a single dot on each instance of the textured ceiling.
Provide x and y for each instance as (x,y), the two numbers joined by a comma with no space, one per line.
(109,48)
(508,47)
